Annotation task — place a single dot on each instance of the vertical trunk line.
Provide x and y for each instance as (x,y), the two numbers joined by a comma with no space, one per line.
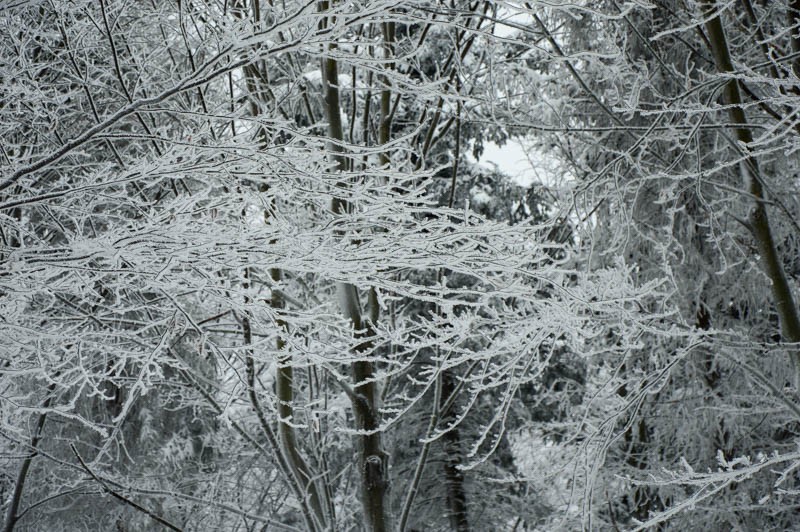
(373,460)
(422,461)
(454,476)
(385,130)
(284,378)
(759,221)
(22,475)
(793,19)
(285,444)
(289,473)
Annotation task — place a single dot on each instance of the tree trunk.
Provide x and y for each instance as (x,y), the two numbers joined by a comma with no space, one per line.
(22,475)
(373,460)
(454,477)
(284,389)
(759,221)
(284,373)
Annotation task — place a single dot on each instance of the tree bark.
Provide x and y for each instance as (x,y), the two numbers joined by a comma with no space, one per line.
(759,220)
(22,475)
(284,373)
(284,379)
(373,460)
(454,478)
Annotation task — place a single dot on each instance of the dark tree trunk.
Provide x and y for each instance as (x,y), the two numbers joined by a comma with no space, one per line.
(454,477)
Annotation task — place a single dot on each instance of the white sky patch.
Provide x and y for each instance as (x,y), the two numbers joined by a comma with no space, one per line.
(514,18)
(511,159)
(522,162)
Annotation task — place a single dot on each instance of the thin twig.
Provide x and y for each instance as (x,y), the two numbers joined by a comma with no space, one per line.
(121,497)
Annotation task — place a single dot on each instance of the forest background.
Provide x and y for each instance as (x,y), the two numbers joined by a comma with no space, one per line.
(253,278)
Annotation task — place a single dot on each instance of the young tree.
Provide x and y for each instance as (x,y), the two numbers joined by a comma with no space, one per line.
(250,277)
(225,257)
